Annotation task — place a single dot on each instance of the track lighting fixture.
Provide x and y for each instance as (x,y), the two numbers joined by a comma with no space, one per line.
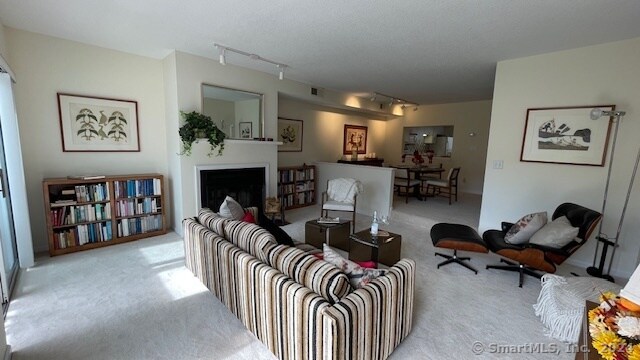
(223,61)
(394,100)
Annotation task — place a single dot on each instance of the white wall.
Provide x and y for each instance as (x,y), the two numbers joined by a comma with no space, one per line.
(468,152)
(602,74)
(247,111)
(3,43)
(221,110)
(323,132)
(44,66)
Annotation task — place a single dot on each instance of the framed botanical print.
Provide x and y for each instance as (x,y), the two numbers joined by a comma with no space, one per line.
(290,134)
(355,137)
(566,135)
(98,124)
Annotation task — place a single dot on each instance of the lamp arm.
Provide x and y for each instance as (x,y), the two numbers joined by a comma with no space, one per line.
(624,208)
(606,187)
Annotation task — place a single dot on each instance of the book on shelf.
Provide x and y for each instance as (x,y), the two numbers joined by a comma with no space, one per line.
(86,177)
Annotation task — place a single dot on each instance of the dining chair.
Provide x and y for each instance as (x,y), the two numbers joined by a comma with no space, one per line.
(446,187)
(341,195)
(429,176)
(403,181)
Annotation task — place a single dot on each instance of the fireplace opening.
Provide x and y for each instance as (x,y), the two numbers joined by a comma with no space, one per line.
(246,186)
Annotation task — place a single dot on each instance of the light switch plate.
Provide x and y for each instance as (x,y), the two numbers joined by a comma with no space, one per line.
(498,164)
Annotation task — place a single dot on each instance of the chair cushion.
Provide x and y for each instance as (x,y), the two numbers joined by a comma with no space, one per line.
(555,234)
(457,237)
(323,278)
(441,183)
(523,229)
(337,205)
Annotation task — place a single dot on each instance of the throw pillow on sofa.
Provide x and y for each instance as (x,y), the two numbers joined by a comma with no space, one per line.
(358,276)
(231,209)
(523,229)
(556,234)
(248,217)
(305,269)
(281,236)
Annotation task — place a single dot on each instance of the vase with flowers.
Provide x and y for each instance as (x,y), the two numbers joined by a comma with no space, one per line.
(417,158)
(615,328)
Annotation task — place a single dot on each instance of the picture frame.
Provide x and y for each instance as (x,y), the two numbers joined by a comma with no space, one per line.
(354,134)
(97,124)
(290,132)
(246,129)
(566,135)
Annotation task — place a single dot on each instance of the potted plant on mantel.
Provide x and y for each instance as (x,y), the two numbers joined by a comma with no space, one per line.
(199,126)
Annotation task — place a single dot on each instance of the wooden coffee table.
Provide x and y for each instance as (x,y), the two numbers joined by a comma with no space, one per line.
(384,249)
(332,234)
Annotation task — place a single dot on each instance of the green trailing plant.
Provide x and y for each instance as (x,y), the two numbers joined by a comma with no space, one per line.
(197,126)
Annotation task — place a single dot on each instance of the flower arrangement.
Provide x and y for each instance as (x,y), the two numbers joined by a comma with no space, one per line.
(615,329)
(417,158)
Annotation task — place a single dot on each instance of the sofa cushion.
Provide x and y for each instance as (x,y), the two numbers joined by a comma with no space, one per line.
(358,276)
(212,220)
(523,229)
(323,278)
(249,237)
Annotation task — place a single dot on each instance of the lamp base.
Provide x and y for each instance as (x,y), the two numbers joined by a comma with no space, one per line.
(595,272)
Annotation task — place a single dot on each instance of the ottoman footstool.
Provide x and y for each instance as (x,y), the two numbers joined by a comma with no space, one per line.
(457,237)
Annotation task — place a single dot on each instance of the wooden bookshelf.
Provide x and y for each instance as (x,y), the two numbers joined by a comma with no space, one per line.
(88,214)
(297,186)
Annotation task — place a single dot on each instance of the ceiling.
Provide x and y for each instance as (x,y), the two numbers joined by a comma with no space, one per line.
(424,51)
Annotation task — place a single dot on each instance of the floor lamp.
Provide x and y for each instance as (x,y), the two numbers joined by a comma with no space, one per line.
(603,238)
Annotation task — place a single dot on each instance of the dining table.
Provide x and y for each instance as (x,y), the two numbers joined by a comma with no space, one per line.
(420,170)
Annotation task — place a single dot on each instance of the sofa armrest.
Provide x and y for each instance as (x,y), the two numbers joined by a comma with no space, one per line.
(370,322)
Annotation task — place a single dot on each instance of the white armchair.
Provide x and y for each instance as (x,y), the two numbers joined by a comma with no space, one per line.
(341,195)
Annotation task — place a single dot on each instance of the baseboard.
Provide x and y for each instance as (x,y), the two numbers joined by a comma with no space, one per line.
(585,264)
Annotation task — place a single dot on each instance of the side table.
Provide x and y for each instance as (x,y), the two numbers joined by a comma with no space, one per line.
(333,234)
(384,249)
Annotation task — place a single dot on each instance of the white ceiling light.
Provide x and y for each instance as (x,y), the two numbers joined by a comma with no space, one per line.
(223,61)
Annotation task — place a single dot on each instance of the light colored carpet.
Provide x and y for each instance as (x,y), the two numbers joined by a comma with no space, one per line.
(138,301)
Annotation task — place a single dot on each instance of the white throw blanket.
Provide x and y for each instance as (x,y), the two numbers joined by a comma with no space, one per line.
(344,189)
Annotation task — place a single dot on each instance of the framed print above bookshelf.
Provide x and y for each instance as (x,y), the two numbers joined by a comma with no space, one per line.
(98,124)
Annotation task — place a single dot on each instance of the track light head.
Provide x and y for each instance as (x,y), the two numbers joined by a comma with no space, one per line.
(373,97)
(403,106)
(598,113)
(223,59)
(281,73)
(415,108)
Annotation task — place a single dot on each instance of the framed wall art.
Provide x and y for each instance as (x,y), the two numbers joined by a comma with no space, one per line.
(246,129)
(566,135)
(290,133)
(355,137)
(98,124)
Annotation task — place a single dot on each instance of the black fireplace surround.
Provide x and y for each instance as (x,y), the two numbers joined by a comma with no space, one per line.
(246,186)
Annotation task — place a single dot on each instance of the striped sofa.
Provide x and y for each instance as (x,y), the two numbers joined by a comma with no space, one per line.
(300,307)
